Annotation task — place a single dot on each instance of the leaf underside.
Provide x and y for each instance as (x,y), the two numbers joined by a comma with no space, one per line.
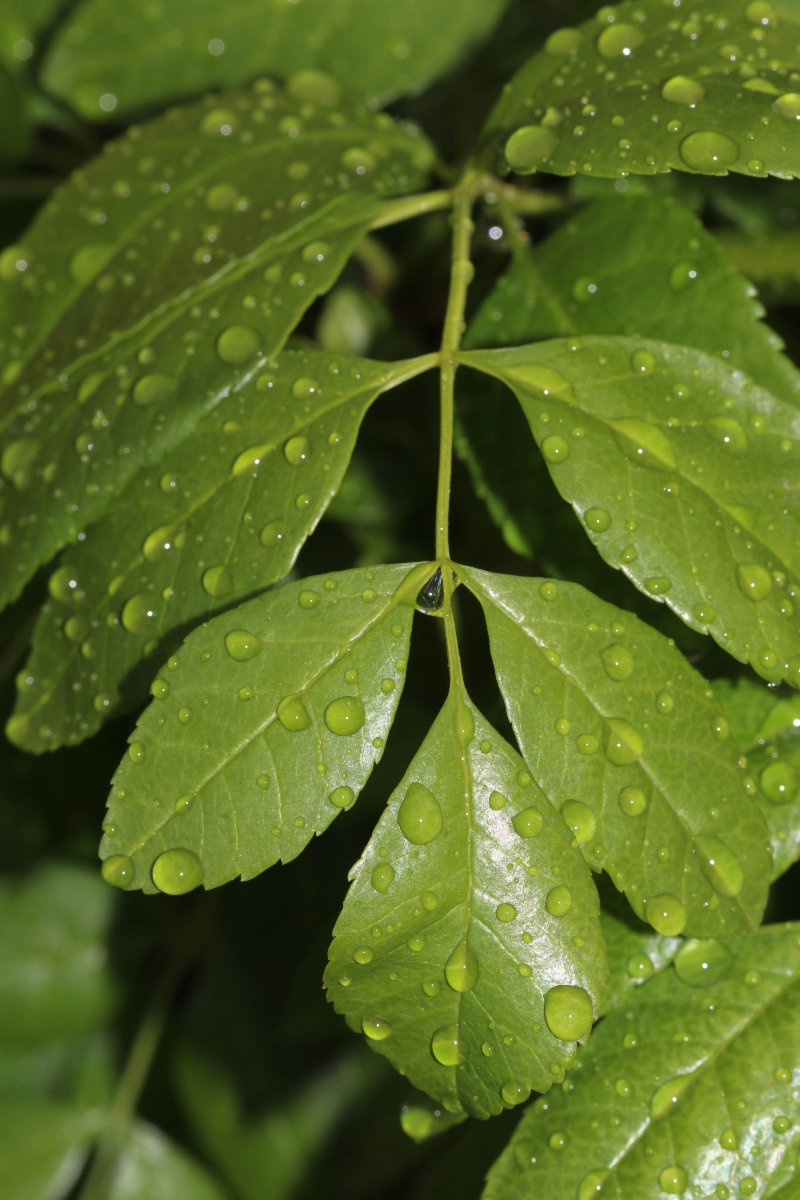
(684,475)
(468,904)
(213,768)
(602,704)
(221,517)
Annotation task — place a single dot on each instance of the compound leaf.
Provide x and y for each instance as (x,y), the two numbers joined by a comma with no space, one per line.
(161,279)
(682,473)
(617,728)
(634,956)
(266,724)
(113,57)
(469,949)
(689,1085)
(221,516)
(642,89)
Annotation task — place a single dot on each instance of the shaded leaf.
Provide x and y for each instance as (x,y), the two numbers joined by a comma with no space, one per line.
(469,921)
(137,55)
(43,1146)
(773,263)
(264,714)
(161,279)
(643,89)
(52,933)
(775,766)
(634,956)
(20,21)
(15,133)
(691,1085)
(426,1120)
(221,516)
(617,728)
(747,706)
(152,1167)
(682,472)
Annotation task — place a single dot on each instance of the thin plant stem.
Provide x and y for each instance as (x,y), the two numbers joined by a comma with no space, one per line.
(394,211)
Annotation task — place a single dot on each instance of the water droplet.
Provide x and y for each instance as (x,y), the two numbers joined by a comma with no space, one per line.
(217,581)
(704,613)
(657,585)
(419,816)
(177,872)
(559,901)
(461,969)
(247,692)
(63,584)
(376,1029)
(297,451)
(431,987)
(238,344)
(272,534)
(639,966)
(568,1012)
(564,41)
(632,801)
(447,1047)
(363,955)
(497,801)
(555,449)
(153,389)
(783,1075)
(760,12)
(548,591)
(683,90)
(562,726)
(263,782)
(505,913)
(528,823)
(429,901)
(157,543)
(665,702)
(788,106)
(17,460)
(754,581)
(345,716)
(749,1186)
(514,1093)
(305,388)
(416,943)
(139,613)
(623,742)
(381,878)
(583,289)
(642,362)
(673,1180)
(465,724)
(587,743)
(779,782)
(701,963)
(184,715)
(782,1125)
(342,797)
(666,914)
(184,803)
(523,778)
(527,146)
(118,870)
(597,519)
(666,1097)
(591,1184)
(719,864)
(160,688)
(242,645)
(619,40)
(709,153)
(580,819)
(617,661)
(292,714)
(309,599)
(251,458)
(728,433)
(642,442)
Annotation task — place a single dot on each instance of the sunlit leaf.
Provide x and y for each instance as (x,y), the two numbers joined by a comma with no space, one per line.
(221,516)
(617,728)
(684,476)
(161,279)
(688,1087)
(469,949)
(266,724)
(642,88)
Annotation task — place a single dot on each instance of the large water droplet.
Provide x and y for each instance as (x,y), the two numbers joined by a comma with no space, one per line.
(118,870)
(728,433)
(568,1012)
(419,816)
(683,90)
(527,146)
(309,599)
(238,344)
(447,1047)
(642,442)
(673,1180)
(218,581)
(242,645)
(555,449)
(619,40)
(559,901)
(153,389)
(720,865)
(597,519)
(461,968)
(363,955)
(293,715)
(177,871)
(666,914)
(137,752)
(564,41)
(157,543)
(297,451)
(430,597)
(779,782)
(342,797)
(788,106)
(345,715)
(632,801)
(376,1029)
(709,153)
(754,581)
(382,877)
(623,742)
(139,613)
(272,534)
(591,1184)
(528,823)
(506,913)
(514,1093)
(581,820)
(617,661)
(665,1099)
(701,963)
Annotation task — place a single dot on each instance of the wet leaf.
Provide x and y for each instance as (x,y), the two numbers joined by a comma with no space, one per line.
(266,724)
(161,279)
(690,1083)
(634,956)
(774,765)
(641,89)
(617,728)
(681,472)
(221,516)
(111,57)
(469,950)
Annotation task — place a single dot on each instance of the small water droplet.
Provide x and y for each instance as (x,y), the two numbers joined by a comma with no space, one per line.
(419,816)
(137,752)
(238,344)
(562,726)
(704,613)
(642,442)
(447,1047)
(754,581)
(788,106)
(591,1184)
(381,878)
(118,870)
(363,955)
(597,519)
(160,688)
(342,797)
(345,716)
(292,714)
(242,645)
(139,613)
(666,1097)
(657,585)
(642,362)
(587,743)
(218,581)
(184,803)
(376,1029)
(184,715)
(720,865)
(639,966)
(617,661)
(564,41)
(153,389)
(619,40)
(528,823)
(177,871)
(527,146)
(497,801)
(728,433)
(559,901)
(666,914)
(431,987)
(246,692)
(673,1180)
(416,943)
(665,702)
(632,801)
(505,913)
(683,90)
(581,820)
(548,591)
(461,970)
(297,451)
(429,901)
(272,534)
(568,1012)
(779,782)
(514,1093)
(555,449)
(309,599)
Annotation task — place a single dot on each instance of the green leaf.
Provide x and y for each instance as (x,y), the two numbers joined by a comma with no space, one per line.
(676,466)
(267,1158)
(773,262)
(747,706)
(152,1167)
(15,133)
(43,1146)
(469,949)
(20,21)
(690,1086)
(634,956)
(644,89)
(617,728)
(113,58)
(162,279)
(52,945)
(266,725)
(221,516)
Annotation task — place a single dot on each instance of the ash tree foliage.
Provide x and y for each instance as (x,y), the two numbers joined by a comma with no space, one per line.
(247,245)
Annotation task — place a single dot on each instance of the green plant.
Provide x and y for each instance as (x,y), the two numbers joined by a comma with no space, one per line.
(180,409)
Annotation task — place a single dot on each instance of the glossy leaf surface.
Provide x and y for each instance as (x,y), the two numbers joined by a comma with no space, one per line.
(136,55)
(161,279)
(266,724)
(634,956)
(617,728)
(469,913)
(684,476)
(152,1167)
(689,1086)
(642,88)
(221,516)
